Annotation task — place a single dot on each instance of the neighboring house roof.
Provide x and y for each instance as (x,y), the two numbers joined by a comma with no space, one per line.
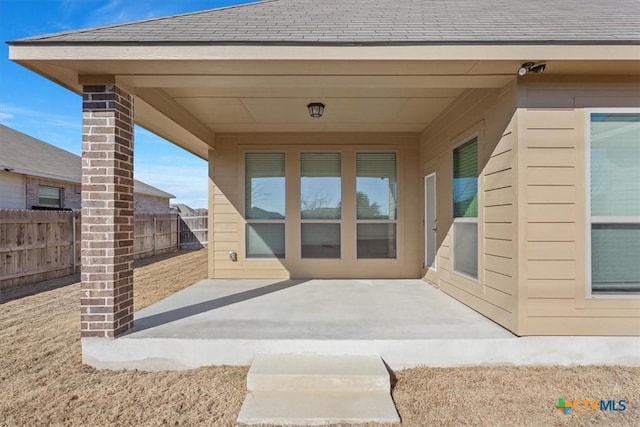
(376,22)
(184,209)
(29,156)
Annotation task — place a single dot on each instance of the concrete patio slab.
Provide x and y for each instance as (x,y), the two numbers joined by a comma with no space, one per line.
(406,322)
(312,309)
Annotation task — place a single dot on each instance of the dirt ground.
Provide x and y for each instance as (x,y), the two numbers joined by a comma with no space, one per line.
(43,382)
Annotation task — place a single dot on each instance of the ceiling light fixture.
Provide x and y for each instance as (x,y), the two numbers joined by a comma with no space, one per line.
(316,109)
(531,67)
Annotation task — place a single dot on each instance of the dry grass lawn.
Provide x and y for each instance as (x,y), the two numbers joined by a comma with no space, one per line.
(43,383)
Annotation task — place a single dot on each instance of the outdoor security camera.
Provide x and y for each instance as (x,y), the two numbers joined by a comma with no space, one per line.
(524,68)
(538,69)
(531,67)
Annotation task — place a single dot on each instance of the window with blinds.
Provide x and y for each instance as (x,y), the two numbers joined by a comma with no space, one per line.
(614,219)
(49,197)
(465,208)
(265,205)
(376,205)
(320,204)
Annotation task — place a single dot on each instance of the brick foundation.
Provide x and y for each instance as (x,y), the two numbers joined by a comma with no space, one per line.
(107,212)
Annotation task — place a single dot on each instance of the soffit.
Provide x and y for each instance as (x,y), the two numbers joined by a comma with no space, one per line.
(188,101)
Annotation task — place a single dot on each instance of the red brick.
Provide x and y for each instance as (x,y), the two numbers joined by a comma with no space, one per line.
(107,192)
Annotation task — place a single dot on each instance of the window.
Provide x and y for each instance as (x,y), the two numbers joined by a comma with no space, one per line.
(376,205)
(265,205)
(614,202)
(320,204)
(465,208)
(49,197)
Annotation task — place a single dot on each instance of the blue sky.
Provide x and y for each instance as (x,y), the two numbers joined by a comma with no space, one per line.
(40,108)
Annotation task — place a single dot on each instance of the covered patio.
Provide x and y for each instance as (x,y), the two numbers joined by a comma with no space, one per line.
(217,321)
(352,193)
(406,322)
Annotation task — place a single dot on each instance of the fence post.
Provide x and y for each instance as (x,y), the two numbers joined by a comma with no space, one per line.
(155,230)
(178,234)
(73,242)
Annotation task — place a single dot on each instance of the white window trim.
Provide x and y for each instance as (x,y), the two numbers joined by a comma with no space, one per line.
(320,221)
(262,221)
(475,135)
(435,256)
(589,220)
(377,221)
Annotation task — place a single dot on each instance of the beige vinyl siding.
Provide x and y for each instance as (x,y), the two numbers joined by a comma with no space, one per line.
(226,207)
(489,115)
(551,144)
(12,191)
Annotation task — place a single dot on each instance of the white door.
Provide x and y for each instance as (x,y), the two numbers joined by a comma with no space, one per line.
(430,221)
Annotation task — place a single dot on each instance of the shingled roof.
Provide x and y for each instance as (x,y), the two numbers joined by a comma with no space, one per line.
(27,155)
(380,22)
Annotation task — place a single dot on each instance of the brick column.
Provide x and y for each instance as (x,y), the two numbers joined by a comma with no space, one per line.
(107,211)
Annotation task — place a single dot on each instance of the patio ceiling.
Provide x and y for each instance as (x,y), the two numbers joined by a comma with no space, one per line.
(188,100)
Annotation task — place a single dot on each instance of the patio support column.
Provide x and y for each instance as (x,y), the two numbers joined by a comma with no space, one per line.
(107,211)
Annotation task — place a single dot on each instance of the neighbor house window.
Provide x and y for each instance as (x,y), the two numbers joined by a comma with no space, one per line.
(465,208)
(376,205)
(265,205)
(320,204)
(49,197)
(614,219)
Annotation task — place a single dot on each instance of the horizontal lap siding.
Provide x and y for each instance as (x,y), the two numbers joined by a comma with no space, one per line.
(12,190)
(488,114)
(552,143)
(549,147)
(499,265)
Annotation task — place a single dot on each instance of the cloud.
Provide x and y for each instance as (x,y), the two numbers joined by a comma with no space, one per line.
(53,128)
(44,118)
(119,11)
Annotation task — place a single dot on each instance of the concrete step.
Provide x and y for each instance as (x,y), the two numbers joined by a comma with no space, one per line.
(317,407)
(316,373)
(297,389)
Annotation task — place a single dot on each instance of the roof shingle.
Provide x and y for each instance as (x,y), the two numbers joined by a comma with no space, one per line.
(355,22)
(30,156)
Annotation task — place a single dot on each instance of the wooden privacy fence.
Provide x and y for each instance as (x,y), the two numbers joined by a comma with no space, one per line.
(154,234)
(42,245)
(37,245)
(194,231)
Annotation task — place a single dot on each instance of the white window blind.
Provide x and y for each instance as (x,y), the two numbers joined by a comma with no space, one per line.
(614,158)
(265,185)
(376,186)
(320,185)
(465,208)
(50,197)
(376,205)
(265,205)
(320,204)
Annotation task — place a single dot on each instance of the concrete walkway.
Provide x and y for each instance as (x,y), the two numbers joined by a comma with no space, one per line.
(406,322)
